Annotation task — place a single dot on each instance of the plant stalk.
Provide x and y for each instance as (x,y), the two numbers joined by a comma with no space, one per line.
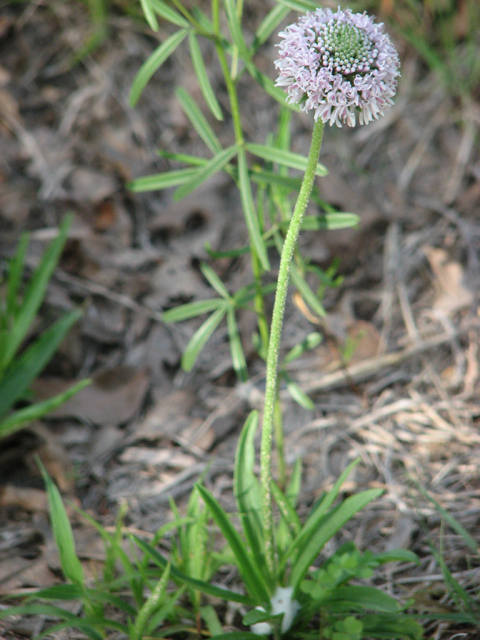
(274,342)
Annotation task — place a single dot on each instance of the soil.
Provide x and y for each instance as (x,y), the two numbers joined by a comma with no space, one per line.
(406,398)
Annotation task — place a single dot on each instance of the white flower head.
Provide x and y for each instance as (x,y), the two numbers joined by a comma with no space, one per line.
(337,64)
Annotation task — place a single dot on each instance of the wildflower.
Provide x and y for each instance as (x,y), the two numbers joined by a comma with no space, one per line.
(337,64)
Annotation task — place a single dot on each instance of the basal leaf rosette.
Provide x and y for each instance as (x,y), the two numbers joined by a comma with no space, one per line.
(338,64)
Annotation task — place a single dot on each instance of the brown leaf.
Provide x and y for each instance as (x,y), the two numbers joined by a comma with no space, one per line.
(114,396)
(451,293)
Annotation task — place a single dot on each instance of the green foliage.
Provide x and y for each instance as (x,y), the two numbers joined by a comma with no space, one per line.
(18,309)
(260,170)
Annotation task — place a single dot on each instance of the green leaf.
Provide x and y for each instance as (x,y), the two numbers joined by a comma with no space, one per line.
(396,555)
(169,14)
(20,418)
(249,212)
(247,490)
(15,272)
(29,365)
(392,626)
(151,605)
(217,163)
(287,511)
(236,29)
(283,157)
(34,294)
(204,587)
(268,25)
(297,394)
(149,14)
(200,338)
(210,617)
(215,281)
(352,598)
(327,528)
(192,310)
(307,294)
(162,180)
(153,63)
(196,117)
(202,76)
(252,576)
(330,221)
(309,343)
(238,357)
(62,531)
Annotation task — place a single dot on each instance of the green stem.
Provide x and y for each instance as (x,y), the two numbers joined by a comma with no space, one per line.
(275,335)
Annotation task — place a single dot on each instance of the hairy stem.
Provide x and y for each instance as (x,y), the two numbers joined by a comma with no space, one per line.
(275,336)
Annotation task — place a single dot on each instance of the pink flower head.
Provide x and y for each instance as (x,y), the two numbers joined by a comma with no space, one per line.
(337,64)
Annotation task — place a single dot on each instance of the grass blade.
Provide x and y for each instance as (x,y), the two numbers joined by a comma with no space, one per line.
(254,580)
(191,310)
(283,157)
(215,281)
(200,338)
(15,277)
(204,587)
(62,531)
(149,607)
(162,180)
(247,490)
(35,293)
(149,14)
(153,63)
(202,76)
(27,367)
(35,411)
(169,14)
(196,117)
(268,25)
(330,524)
(249,211)
(209,168)
(287,511)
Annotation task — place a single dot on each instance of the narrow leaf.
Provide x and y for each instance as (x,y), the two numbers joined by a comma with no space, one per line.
(268,25)
(269,87)
(309,343)
(202,76)
(287,511)
(191,310)
(249,212)
(15,272)
(348,598)
(169,14)
(29,365)
(328,527)
(236,29)
(200,338)
(214,281)
(254,580)
(196,117)
(62,531)
(153,63)
(149,14)
(35,293)
(300,5)
(20,418)
(283,157)
(162,180)
(204,587)
(217,163)
(247,490)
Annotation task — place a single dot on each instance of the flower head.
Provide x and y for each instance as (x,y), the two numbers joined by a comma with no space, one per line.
(337,64)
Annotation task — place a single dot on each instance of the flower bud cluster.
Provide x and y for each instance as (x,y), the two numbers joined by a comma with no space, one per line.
(338,64)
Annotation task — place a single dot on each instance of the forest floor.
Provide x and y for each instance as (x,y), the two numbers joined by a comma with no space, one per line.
(406,402)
